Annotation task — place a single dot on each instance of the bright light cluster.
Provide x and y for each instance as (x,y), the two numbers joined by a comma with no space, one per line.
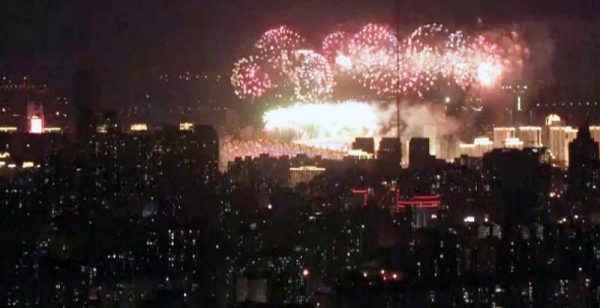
(334,45)
(323,124)
(232,148)
(380,61)
(276,46)
(311,75)
(249,79)
(373,54)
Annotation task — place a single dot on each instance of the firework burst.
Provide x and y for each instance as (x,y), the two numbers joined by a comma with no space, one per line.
(276,47)
(378,61)
(373,54)
(311,76)
(249,80)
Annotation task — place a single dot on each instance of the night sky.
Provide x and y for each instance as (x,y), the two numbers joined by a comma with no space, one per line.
(41,37)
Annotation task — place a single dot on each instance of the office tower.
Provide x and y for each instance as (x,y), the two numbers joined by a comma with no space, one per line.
(558,143)
(478,148)
(449,148)
(583,150)
(513,143)
(389,156)
(519,184)
(531,136)
(364,144)
(419,156)
(501,134)
(551,120)
(431,132)
(86,97)
(583,172)
(595,131)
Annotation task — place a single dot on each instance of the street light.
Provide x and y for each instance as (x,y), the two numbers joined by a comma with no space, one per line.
(305,272)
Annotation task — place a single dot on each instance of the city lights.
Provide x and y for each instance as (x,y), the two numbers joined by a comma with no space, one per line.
(208,156)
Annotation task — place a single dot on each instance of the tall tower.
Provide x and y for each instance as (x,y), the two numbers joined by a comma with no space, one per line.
(583,172)
(86,97)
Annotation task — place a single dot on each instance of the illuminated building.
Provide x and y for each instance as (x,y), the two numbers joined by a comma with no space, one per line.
(501,134)
(36,125)
(304,174)
(595,132)
(431,132)
(359,154)
(449,148)
(513,143)
(138,127)
(35,118)
(20,100)
(478,148)
(186,126)
(531,136)
(553,120)
(558,143)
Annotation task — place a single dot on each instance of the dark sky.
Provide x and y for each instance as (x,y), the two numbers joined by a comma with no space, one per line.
(136,38)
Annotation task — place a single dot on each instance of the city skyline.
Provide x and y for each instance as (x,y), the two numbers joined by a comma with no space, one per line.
(319,153)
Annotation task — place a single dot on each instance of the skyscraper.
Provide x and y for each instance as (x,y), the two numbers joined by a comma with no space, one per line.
(419,156)
(519,183)
(389,157)
(86,97)
(501,134)
(558,143)
(583,150)
(583,170)
(531,136)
